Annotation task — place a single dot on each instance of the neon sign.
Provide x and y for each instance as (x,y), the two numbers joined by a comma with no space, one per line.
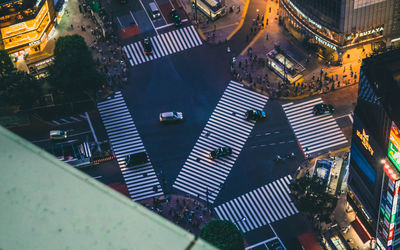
(365,141)
(390,172)
(394,146)
(325,43)
(304,16)
(369,32)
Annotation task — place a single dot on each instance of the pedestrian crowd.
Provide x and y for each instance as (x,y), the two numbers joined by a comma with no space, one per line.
(254,71)
(181,210)
(108,53)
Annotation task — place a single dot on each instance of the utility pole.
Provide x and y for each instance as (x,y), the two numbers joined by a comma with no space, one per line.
(195,10)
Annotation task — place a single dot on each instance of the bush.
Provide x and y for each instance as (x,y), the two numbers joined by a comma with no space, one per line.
(223,234)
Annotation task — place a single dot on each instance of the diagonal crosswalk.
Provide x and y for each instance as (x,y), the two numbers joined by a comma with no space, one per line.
(141,180)
(314,133)
(203,177)
(163,45)
(259,207)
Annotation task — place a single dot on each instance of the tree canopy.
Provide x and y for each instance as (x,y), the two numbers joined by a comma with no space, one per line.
(223,234)
(19,88)
(74,70)
(6,65)
(311,197)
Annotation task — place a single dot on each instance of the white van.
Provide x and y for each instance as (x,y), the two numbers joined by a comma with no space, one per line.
(155,12)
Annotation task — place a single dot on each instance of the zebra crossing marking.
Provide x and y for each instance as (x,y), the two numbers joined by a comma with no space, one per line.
(140,180)
(314,133)
(259,207)
(163,44)
(202,177)
(68,120)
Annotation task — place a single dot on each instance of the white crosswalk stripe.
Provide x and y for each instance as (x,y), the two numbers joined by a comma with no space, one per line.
(163,45)
(203,177)
(125,140)
(314,133)
(259,207)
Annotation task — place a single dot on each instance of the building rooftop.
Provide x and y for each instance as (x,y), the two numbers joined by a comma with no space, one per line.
(47,204)
(16,11)
(383,72)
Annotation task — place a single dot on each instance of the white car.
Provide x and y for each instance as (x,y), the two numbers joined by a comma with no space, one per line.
(58,134)
(171,116)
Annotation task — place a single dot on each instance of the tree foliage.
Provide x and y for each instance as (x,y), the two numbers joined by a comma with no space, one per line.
(74,70)
(19,88)
(223,234)
(311,197)
(6,65)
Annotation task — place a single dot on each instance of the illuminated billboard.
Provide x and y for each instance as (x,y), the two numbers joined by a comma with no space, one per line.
(394,146)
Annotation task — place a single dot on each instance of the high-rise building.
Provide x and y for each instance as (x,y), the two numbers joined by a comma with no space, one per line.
(344,24)
(25,25)
(374,169)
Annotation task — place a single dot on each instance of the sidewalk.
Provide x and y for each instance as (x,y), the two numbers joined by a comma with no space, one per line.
(340,229)
(107,51)
(217,31)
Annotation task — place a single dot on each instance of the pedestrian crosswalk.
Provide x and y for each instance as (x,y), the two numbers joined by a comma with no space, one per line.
(203,177)
(259,207)
(68,120)
(314,133)
(141,180)
(163,45)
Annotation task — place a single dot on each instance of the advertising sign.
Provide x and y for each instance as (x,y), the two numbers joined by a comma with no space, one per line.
(390,173)
(365,141)
(394,146)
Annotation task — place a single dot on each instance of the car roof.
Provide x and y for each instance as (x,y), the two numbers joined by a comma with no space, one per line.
(167,114)
(56,132)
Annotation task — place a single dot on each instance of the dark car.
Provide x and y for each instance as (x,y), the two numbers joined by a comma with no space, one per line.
(322,109)
(219,152)
(148,50)
(255,114)
(136,159)
(175,18)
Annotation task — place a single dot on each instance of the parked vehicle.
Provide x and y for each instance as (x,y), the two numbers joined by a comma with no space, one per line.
(155,12)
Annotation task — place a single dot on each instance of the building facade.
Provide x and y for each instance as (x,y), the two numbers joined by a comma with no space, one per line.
(343,24)
(374,177)
(25,25)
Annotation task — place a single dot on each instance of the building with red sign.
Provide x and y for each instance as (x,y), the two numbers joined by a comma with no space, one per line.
(374,169)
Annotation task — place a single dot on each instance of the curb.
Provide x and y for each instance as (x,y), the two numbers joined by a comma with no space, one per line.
(246,6)
(201,33)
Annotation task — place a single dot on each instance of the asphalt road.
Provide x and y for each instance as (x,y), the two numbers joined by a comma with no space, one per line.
(255,166)
(192,82)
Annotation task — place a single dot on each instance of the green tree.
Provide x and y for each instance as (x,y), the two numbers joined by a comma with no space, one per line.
(311,197)
(19,88)
(6,65)
(223,234)
(73,71)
